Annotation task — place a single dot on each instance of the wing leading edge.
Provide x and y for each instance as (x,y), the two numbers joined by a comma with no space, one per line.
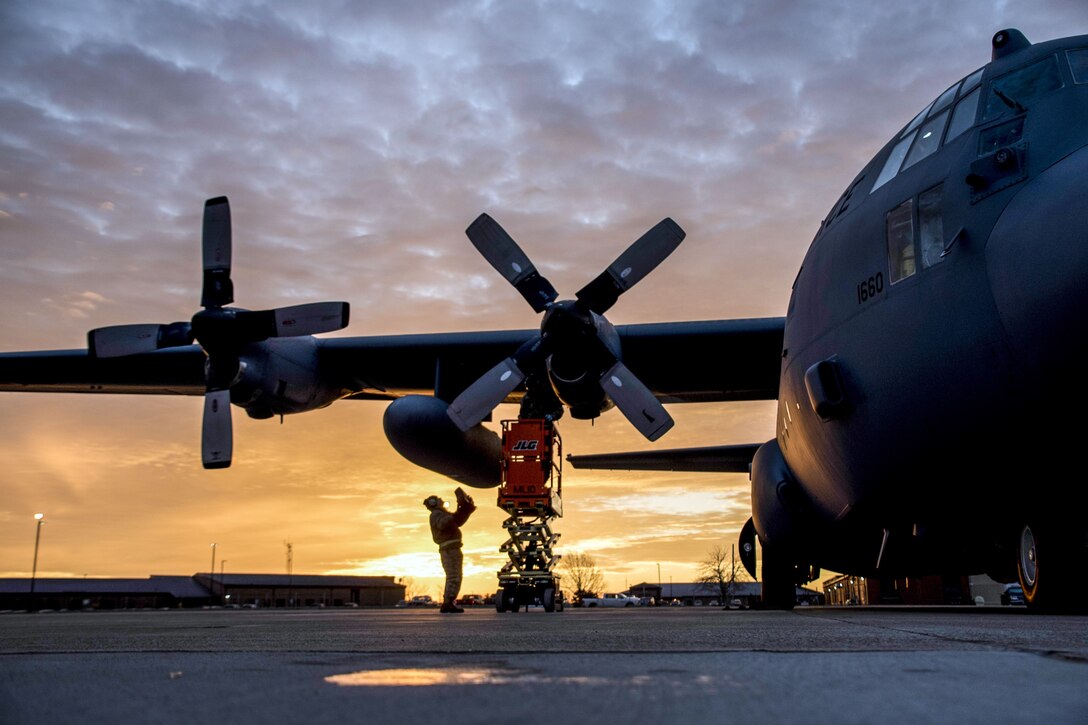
(680,362)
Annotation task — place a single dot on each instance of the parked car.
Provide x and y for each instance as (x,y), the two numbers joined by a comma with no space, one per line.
(472,600)
(622,599)
(422,600)
(1013,594)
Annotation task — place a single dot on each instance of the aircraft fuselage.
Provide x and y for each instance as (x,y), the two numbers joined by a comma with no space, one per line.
(933,333)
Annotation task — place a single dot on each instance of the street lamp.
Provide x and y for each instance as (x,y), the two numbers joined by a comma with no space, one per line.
(34,570)
(212,575)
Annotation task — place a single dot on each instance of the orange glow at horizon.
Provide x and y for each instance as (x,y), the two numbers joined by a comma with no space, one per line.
(121,480)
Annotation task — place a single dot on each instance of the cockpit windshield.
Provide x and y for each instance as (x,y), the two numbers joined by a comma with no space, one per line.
(1012,90)
(918,140)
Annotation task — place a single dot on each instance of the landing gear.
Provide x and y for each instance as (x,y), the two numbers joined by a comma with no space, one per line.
(1050,560)
(779,574)
(531,493)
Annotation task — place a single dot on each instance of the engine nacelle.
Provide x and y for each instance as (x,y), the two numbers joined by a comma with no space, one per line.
(280,376)
(420,430)
(576,366)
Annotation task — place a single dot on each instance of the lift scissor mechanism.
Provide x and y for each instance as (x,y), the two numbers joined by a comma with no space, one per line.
(531,493)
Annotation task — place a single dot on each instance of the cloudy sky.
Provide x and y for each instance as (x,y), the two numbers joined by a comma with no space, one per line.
(356,141)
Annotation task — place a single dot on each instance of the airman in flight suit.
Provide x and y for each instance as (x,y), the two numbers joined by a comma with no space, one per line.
(446,532)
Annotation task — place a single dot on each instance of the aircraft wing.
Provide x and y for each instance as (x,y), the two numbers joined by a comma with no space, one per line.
(716,459)
(175,371)
(680,362)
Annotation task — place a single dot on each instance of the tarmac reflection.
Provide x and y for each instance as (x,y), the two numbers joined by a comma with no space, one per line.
(453,676)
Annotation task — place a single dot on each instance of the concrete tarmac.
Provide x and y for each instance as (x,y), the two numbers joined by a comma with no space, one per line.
(664,665)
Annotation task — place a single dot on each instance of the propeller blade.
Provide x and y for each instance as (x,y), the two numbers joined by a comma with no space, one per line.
(218,289)
(120,340)
(636,262)
(504,254)
(311,319)
(636,402)
(217,437)
(295,321)
(479,399)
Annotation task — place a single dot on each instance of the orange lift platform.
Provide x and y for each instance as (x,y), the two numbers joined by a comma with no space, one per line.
(531,493)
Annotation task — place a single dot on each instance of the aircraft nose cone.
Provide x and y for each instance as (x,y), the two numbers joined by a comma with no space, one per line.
(1037,259)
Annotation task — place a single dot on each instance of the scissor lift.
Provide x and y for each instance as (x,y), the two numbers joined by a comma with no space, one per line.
(531,493)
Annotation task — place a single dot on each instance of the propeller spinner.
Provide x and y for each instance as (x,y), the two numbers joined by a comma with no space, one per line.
(570,328)
(221,331)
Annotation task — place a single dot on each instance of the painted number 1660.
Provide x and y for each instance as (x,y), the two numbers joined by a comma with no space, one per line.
(870,288)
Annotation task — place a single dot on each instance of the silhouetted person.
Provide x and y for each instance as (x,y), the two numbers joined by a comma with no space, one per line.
(446,532)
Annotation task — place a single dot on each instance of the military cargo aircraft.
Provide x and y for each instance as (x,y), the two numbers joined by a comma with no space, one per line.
(926,371)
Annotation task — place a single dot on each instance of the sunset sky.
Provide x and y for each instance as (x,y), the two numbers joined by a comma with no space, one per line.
(356,141)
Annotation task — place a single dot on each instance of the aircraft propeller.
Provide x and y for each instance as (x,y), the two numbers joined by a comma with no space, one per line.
(220,330)
(574,339)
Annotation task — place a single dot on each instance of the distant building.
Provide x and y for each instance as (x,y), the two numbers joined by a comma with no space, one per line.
(859,590)
(155,592)
(749,594)
(199,590)
(304,590)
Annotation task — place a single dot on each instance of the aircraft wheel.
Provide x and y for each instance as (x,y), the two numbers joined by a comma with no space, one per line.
(500,601)
(1048,562)
(548,600)
(779,591)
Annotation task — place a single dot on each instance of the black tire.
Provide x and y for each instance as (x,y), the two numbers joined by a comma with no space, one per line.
(1049,562)
(779,590)
(548,600)
(500,601)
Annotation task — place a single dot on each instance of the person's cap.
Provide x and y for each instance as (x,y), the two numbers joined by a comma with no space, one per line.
(431,502)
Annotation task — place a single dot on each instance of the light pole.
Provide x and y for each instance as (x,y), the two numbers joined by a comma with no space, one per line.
(212,575)
(660,594)
(34,569)
(222,579)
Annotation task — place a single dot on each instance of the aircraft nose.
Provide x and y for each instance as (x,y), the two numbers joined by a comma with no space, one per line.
(1037,259)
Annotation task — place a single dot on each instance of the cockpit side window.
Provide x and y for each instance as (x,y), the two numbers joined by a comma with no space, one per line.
(1078,64)
(917,120)
(895,159)
(943,100)
(971,81)
(929,140)
(963,116)
(1012,90)
(900,234)
(931,226)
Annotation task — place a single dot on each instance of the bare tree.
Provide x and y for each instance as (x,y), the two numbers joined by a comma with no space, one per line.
(582,573)
(722,570)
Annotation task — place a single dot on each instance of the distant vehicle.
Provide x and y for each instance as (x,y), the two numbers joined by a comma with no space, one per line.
(623,599)
(676,603)
(1013,594)
(422,600)
(735,604)
(472,600)
(647,601)
(401,604)
(249,605)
